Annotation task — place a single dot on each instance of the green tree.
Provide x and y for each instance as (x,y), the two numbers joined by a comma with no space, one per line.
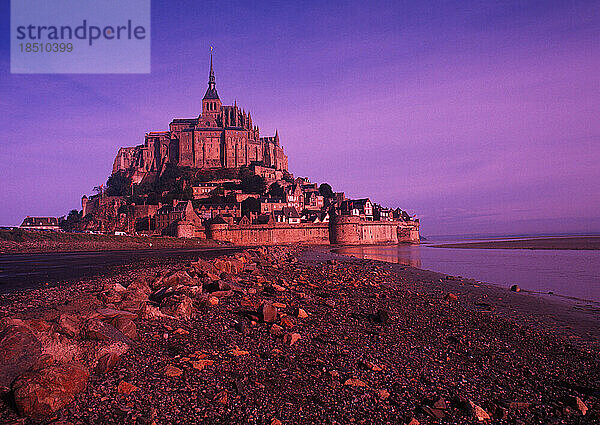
(118,184)
(188,194)
(71,221)
(251,183)
(325,190)
(250,205)
(74,215)
(275,190)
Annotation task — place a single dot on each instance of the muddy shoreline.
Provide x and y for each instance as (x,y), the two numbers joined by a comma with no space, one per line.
(27,242)
(290,335)
(574,243)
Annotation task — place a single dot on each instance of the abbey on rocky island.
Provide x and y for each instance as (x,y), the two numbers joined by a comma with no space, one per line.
(214,177)
(223,136)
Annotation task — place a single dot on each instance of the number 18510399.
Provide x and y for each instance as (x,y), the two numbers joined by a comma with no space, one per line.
(46,47)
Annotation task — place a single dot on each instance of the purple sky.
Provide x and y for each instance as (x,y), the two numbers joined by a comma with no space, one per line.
(478,118)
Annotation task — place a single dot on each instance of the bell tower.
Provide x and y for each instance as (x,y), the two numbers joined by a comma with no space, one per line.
(211,104)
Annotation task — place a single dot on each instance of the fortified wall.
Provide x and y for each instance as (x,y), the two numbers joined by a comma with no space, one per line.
(350,230)
(269,234)
(342,230)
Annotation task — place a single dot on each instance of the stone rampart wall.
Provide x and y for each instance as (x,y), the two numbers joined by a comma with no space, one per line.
(270,234)
(341,231)
(349,230)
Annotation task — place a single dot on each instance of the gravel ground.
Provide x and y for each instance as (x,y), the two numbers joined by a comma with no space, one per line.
(380,344)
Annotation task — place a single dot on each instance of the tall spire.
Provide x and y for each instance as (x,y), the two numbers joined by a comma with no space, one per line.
(211,92)
(211,75)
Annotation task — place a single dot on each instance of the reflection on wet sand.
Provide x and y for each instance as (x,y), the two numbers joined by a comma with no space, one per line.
(399,254)
(568,273)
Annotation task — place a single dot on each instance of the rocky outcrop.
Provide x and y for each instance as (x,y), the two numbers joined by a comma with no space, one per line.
(19,351)
(38,393)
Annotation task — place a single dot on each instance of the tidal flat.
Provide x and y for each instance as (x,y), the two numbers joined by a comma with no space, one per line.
(567,242)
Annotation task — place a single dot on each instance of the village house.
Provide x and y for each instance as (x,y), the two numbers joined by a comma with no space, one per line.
(382,214)
(203,190)
(362,208)
(168,217)
(399,214)
(313,201)
(270,205)
(40,223)
(208,211)
(287,215)
(306,185)
(168,214)
(294,197)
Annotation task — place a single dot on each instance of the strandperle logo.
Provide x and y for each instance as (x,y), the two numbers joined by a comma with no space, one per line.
(80,36)
(82,32)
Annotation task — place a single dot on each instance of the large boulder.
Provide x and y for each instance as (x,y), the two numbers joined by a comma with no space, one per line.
(59,347)
(126,326)
(39,393)
(229,265)
(204,268)
(111,313)
(174,279)
(151,312)
(138,290)
(160,294)
(109,356)
(69,325)
(178,305)
(19,351)
(101,331)
(194,292)
(109,296)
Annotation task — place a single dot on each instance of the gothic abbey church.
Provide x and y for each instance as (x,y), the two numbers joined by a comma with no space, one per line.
(221,137)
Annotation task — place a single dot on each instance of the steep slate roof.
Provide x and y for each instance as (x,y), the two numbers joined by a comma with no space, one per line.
(181,206)
(185,121)
(211,94)
(219,220)
(355,203)
(218,206)
(290,212)
(264,219)
(40,221)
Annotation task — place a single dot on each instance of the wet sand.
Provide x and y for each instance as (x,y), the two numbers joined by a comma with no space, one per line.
(577,243)
(575,319)
(26,242)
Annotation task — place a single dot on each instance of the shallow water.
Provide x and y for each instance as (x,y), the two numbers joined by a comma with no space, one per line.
(568,273)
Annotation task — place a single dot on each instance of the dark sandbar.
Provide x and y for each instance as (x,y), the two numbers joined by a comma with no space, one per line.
(579,242)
